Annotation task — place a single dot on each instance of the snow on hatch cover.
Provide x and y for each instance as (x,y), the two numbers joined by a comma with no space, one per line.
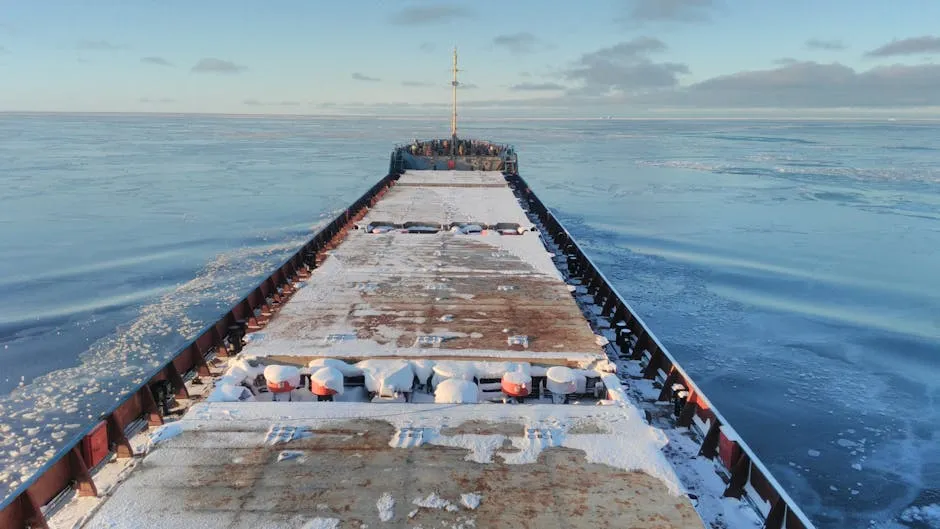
(280,433)
(386,507)
(470,500)
(408,437)
(322,523)
(433,501)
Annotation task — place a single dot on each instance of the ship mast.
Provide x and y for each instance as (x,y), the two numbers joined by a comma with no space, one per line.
(453,119)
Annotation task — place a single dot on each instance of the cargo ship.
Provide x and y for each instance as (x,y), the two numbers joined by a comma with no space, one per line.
(442,354)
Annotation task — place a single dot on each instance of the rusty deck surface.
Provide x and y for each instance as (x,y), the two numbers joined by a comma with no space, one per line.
(377,295)
(354,472)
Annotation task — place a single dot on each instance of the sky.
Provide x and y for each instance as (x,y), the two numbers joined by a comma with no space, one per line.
(622,58)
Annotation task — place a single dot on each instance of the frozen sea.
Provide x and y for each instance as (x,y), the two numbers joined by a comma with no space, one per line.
(792,267)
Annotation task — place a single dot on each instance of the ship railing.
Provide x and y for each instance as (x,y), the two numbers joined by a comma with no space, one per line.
(73,463)
(747,476)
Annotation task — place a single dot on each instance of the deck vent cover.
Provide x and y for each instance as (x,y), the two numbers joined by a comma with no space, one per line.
(519,339)
(467,228)
(421,227)
(430,340)
(382,227)
(335,338)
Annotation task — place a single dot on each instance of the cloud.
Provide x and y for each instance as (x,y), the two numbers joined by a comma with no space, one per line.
(534,87)
(98,45)
(814,85)
(468,86)
(159,61)
(213,65)
(828,45)
(363,77)
(162,100)
(430,14)
(785,61)
(517,42)
(911,46)
(624,67)
(643,11)
(416,83)
(428,47)
(2,50)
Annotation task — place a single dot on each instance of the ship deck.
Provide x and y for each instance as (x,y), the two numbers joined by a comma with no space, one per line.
(399,466)
(377,294)
(480,300)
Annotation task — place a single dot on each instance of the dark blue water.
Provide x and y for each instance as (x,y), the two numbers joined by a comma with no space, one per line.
(791,267)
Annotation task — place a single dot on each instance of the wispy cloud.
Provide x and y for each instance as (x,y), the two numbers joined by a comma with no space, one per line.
(159,61)
(220,66)
(517,42)
(428,47)
(535,87)
(416,83)
(911,46)
(2,50)
(643,11)
(363,77)
(98,45)
(468,86)
(162,100)
(827,45)
(430,14)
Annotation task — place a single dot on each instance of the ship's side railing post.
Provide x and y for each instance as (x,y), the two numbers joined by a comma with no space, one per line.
(86,486)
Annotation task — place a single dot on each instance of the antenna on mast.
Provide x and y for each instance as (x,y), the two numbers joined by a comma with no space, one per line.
(453,119)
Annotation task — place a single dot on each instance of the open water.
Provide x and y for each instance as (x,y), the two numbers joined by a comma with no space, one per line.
(792,267)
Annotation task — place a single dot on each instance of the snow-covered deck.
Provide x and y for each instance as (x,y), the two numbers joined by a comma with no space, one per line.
(435,295)
(317,465)
(399,305)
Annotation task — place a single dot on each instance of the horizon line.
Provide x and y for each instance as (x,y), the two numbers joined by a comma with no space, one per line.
(412,117)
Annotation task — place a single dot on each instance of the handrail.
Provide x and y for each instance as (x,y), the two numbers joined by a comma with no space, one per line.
(791,504)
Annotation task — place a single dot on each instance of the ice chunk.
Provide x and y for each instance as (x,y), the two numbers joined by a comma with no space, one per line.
(386,507)
(456,391)
(813,453)
(433,501)
(470,500)
(322,523)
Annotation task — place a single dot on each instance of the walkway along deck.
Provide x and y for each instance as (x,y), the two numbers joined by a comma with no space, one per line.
(632,342)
